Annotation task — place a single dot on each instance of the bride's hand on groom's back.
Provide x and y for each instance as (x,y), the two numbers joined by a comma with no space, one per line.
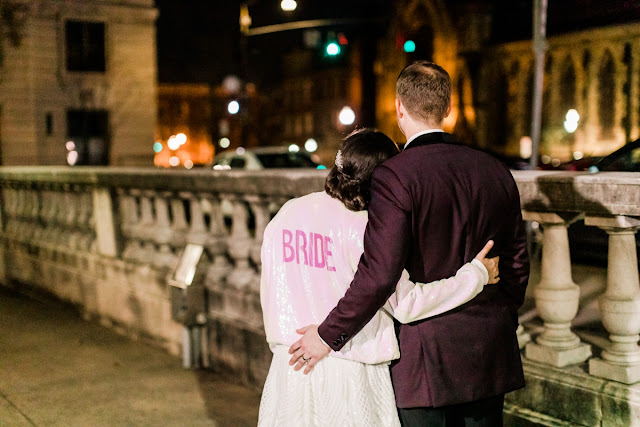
(491,264)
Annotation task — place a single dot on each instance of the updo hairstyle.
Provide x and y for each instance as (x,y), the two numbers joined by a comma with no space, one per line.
(350,178)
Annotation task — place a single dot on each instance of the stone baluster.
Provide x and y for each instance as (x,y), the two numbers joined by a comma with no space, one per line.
(557,296)
(198,232)
(240,243)
(146,227)
(59,223)
(179,226)
(84,219)
(130,220)
(260,207)
(163,233)
(216,244)
(71,202)
(620,304)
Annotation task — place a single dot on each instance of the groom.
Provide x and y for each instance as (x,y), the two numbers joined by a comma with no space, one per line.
(432,208)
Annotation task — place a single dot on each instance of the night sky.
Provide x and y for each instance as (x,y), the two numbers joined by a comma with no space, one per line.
(199,40)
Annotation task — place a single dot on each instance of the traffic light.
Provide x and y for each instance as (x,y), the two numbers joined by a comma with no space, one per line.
(332,48)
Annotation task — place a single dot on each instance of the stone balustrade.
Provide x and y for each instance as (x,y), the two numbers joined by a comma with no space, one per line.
(109,239)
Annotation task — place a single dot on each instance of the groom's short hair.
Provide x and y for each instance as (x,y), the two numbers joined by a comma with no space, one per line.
(425,90)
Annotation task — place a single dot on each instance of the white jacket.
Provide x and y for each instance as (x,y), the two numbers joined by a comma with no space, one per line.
(310,254)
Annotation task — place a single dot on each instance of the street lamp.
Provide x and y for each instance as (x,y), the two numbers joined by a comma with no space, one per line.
(288,5)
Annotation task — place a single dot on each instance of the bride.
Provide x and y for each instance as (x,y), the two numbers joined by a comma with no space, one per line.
(310,253)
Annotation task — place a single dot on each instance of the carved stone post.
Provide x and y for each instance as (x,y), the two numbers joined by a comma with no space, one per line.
(620,304)
(260,207)
(240,246)
(557,297)
(217,244)
(163,258)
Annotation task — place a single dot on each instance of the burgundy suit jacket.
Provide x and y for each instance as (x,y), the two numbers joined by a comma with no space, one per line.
(433,207)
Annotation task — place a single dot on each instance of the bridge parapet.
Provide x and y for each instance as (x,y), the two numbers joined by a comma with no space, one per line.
(108,240)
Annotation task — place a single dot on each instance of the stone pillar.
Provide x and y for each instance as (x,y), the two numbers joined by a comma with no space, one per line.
(620,304)
(104,222)
(557,297)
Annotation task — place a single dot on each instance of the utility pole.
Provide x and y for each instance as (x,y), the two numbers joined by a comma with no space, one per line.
(539,48)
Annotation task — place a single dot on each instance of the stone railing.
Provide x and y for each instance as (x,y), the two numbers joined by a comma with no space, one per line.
(108,240)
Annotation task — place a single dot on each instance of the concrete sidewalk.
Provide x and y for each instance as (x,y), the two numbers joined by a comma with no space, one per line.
(57,369)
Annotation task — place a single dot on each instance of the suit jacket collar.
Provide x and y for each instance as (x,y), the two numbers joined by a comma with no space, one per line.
(432,138)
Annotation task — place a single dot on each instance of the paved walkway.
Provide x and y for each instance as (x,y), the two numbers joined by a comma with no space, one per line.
(57,369)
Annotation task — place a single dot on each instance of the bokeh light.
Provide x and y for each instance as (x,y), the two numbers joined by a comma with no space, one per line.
(311,145)
(233,107)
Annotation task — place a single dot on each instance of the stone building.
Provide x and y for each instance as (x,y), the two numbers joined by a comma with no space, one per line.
(592,66)
(81,86)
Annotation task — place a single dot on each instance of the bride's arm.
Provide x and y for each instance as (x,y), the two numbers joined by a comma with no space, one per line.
(417,301)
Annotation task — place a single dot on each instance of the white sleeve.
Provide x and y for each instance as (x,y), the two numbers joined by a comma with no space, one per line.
(417,301)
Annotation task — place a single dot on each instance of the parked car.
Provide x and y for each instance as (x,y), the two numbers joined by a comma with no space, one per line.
(264,158)
(590,244)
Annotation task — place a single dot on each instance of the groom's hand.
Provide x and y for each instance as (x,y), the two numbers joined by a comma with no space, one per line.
(308,350)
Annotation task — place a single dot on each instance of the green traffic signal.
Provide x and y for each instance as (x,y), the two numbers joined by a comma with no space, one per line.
(333,49)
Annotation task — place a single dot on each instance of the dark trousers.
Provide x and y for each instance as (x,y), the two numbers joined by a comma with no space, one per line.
(480,413)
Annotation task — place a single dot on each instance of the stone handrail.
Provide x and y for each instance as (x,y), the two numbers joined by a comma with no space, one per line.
(108,240)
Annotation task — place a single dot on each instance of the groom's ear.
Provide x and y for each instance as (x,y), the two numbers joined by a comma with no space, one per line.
(399,108)
(448,109)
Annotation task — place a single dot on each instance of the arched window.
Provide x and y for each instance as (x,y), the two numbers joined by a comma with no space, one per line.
(606,96)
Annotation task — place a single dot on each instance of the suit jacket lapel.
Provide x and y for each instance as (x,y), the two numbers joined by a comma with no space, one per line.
(432,138)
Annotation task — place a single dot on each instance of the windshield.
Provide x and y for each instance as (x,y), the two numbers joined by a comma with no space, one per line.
(285,160)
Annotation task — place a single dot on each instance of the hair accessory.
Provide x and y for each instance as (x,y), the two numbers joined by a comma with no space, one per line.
(339,161)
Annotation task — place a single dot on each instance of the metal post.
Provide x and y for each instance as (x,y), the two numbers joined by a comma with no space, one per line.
(539,49)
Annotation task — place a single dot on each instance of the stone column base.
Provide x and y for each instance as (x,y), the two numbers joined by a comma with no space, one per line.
(626,374)
(558,357)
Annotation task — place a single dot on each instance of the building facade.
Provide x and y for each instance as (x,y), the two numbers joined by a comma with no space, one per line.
(80,88)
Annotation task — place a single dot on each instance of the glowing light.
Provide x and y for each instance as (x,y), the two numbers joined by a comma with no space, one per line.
(409,46)
(526,147)
(572,115)
(224,142)
(72,158)
(293,148)
(70,145)
(188,164)
(157,146)
(173,143)
(181,138)
(555,162)
(221,167)
(240,150)
(321,167)
(233,107)
(347,116)
(571,121)
(311,145)
(545,159)
(288,5)
(333,49)
(174,161)
(577,155)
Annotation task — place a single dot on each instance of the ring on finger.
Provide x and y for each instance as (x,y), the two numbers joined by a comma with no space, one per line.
(303,358)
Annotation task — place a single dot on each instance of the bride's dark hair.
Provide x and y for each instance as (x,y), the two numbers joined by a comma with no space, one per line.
(350,178)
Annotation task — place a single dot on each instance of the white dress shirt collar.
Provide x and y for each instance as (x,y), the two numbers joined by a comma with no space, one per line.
(424,132)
